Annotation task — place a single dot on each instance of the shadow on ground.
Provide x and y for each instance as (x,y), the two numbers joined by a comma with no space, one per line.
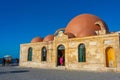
(19,71)
(15,71)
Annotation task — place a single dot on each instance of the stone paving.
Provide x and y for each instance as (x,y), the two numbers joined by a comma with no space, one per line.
(17,73)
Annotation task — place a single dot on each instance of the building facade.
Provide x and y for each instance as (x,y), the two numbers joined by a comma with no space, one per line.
(100,52)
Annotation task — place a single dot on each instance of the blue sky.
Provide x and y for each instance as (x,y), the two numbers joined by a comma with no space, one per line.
(22,20)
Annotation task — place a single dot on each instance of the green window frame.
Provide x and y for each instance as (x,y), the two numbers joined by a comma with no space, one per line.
(81,53)
(30,54)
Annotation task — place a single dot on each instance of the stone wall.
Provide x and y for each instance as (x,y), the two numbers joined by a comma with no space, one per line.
(95,52)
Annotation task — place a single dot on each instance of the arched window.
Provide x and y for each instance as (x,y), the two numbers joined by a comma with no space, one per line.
(44,54)
(81,53)
(29,54)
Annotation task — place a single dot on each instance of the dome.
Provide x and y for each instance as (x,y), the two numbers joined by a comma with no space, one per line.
(36,39)
(49,38)
(85,25)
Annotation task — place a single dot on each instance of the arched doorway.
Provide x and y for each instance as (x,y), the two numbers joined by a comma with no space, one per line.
(61,55)
(81,53)
(110,57)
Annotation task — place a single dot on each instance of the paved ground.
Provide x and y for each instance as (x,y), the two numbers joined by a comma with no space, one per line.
(17,73)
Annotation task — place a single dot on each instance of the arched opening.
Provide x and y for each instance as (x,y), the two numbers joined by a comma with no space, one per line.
(29,54)
(44,54)
(81,53)
(110,57)
(61,55)
(61,29)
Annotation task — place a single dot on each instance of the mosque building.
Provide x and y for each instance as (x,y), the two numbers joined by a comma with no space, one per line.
(84,44)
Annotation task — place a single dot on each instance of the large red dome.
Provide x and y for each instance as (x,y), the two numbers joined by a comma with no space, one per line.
(84,25)
(36,39)
(49,38)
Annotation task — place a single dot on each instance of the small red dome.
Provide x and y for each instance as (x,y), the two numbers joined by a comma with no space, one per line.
(70,35)
(84,25)
(36,39)
(48,38)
